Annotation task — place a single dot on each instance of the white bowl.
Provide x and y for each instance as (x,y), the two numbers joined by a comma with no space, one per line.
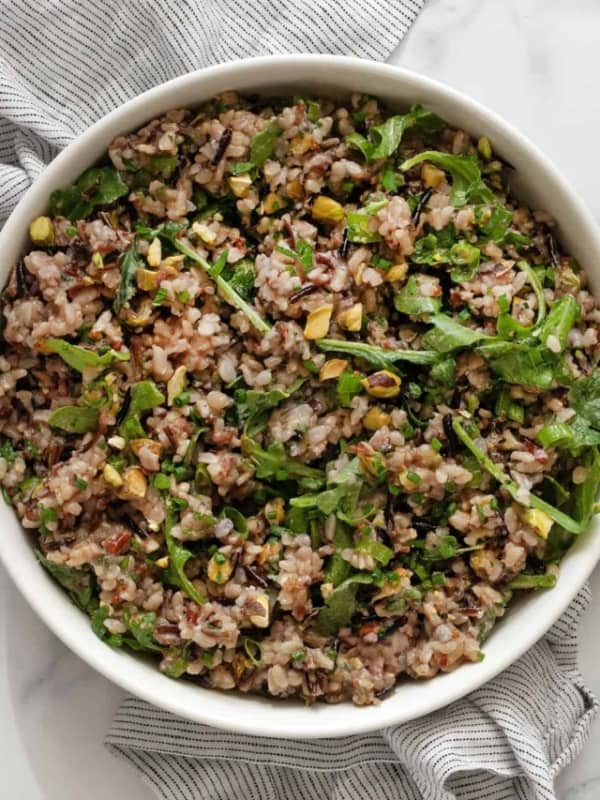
(537,181)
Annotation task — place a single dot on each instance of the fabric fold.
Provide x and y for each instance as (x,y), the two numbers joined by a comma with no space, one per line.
(508,739)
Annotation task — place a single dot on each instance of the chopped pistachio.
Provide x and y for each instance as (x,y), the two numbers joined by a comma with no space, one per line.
(97,260)
(176,384)
(382,384)
(117,442)
(272,203)
(397,272)
(147,280)
(351,319)
(154,255)
(539,521)
(138,444)
(326,209)
(41,231)
(295,190)
(142,315)
(204,233)
(135,484)
(317,322)
(261,620)
(432,176)
(301,144)
(112,476)
(376,418)
(332,368)
(275,510)
(484,147)
(240,184)
(219,568)
(163,562)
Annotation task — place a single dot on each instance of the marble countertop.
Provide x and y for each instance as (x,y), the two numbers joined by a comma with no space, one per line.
(535,62)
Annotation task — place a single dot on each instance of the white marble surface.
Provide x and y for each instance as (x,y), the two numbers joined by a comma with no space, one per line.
(537,63)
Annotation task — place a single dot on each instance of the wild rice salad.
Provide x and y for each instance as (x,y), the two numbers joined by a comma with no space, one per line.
(296,394)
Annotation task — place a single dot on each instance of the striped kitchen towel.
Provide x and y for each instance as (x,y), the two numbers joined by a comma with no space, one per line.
(505,741)
(66,63)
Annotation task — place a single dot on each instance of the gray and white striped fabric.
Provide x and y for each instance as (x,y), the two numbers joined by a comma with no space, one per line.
(66,63)
(63,65)
(507,740)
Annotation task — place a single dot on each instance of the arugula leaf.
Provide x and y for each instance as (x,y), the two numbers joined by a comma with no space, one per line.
(570,524)
(379,552)
(409,299)
(465,259)
(582,435)
(467,184)
(448,334)
(428,250)
(560,320)
(129,263)
(389,179)
(585,494)
(361,228)
(79,583)
(169,232)
(340,496)
(341,604)
(254,407)
(178,558)
(275,464)
(95,187)
(527,581)
(385,138)
(80,358)
(7,451)
(242,278)
(263,143)
(145,395)
(494,224)
(520,363)
(349,385)
(74,419)
(142,627)
(584,397)
(379,357)
(176,661)
(163,164)
(338,569)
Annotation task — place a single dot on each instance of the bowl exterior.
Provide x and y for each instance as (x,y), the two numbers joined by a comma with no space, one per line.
(538,182)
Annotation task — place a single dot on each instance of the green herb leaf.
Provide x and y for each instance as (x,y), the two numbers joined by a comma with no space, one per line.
(385,138)
(79,583)
(379,357)
(494,223)
(129,263)
(178,558)
(145,395)
(7,451)
(95,187)
(275,464)
(559,321)
(74,419)
(341,605)
(378,551)
(254,407)
(263,143)
(570,524)
(526,581)
(242,279)
(448,335)
(361,227)
(142,627)
(349,385)
(584,397)
(80,358)
(465,259)
(409,299)
(467,184)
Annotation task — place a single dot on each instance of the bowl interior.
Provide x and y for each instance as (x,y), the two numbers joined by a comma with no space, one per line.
(536,181)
